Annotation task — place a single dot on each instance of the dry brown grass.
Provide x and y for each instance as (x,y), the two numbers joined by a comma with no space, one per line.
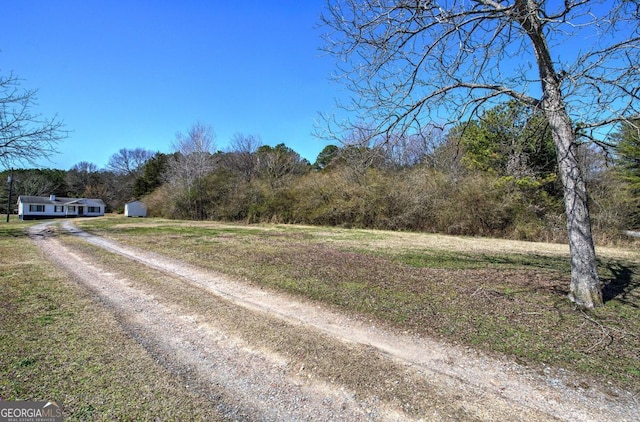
(57,343)
(502,297)
(358,368)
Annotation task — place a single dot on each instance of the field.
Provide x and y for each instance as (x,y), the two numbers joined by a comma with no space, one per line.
(503,298)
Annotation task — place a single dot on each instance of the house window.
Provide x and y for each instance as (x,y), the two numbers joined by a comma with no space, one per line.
(94,209)
(71,208)
(36,208)
(58,208)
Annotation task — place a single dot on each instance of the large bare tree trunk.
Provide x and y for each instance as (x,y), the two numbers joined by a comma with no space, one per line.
(585,289)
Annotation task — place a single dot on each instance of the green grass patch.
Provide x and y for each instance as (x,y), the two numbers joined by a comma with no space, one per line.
(459,260)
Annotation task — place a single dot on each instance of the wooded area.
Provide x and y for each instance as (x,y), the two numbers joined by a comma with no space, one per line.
(494,176)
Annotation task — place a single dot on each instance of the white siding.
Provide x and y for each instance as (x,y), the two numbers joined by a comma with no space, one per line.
(32,207)
(135,209)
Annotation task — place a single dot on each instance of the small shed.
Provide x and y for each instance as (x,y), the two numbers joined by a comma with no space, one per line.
(135,209)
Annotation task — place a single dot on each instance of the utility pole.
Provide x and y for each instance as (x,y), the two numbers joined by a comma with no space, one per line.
(10,182)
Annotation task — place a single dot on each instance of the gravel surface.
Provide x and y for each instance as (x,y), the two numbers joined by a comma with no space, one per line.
(247,380)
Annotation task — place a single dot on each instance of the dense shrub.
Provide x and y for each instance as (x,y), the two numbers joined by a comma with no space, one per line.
(469,202)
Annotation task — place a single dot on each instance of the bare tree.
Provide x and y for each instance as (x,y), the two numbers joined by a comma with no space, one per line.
(411,149)
(194,152)
(34,184)
(362,149)
(122,171)
(241,155)
(25,137)
(81,178)
(190,165)
(84,167)
(413,62)
(276,163)
(129,162)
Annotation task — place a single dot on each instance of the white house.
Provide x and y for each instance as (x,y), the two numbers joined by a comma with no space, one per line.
(38,207)
(135,209)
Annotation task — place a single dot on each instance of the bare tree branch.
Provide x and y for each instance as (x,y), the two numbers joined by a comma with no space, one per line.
(25,137)
(411,62)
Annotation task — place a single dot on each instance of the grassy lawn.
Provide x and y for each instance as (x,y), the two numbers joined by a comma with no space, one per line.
(57,344)
(502,297)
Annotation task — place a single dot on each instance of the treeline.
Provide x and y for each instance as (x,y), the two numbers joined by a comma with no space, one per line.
(494,176)
(114,184)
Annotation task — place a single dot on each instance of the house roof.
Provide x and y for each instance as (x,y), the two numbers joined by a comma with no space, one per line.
(46,200)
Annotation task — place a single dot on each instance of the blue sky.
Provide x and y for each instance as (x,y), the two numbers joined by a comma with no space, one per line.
(129,74)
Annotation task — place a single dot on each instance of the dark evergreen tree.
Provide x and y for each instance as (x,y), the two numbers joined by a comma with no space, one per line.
(627,140)
(153,173)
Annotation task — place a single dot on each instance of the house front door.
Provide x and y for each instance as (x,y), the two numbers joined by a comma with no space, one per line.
(80,210)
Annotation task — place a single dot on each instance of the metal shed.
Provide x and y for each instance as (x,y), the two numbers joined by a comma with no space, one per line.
(135,209)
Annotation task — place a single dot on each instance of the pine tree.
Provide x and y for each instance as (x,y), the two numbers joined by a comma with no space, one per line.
(628,164)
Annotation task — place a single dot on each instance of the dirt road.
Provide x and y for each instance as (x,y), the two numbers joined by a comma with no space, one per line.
(260,355)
